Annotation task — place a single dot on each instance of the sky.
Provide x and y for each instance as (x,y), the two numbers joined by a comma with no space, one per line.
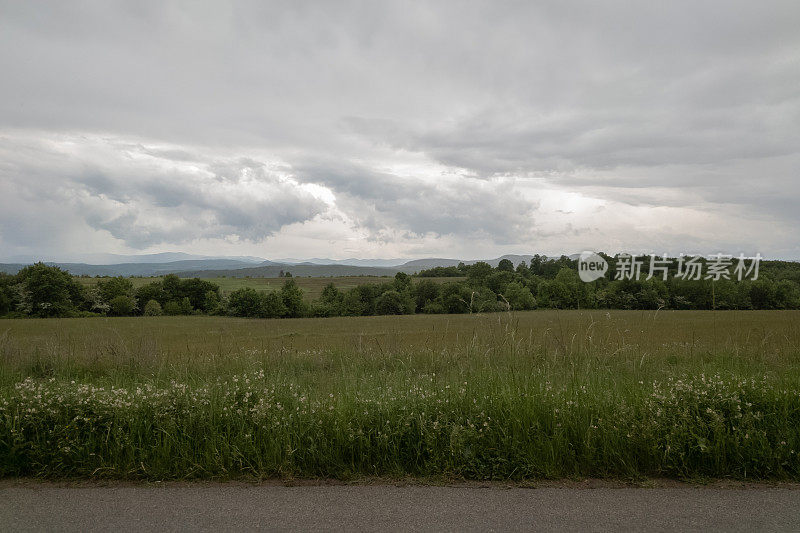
(399,129)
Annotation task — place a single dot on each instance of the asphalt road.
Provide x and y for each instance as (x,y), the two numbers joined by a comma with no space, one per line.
(37,507)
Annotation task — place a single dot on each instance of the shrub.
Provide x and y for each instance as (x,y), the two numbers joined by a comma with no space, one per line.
(178,307)
(244,302)
(519,297)
(390,303)
(292,297)
(113,287)
(122,306)
(153,308)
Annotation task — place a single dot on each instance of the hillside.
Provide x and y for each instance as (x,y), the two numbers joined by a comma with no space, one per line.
(243,267)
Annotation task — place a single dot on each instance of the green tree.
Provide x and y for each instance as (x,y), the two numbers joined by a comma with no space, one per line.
(390,303)
(197,291)
(519,297)
(151,291)
(483,300)
(122,306)
(505,265)
(402,282)
(454,298)
(244,302)
(48,291)
(424,292)
(353,303)
(182,306)
(292,297)
(272,306)
(153,308)
(171,285)
(212,303)
(112,287)
(497,281)
(330,302)
(479,271)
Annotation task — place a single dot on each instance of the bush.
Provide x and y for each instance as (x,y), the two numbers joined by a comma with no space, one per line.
(178,307)
(244,302)
(292,297)
(248,302)
(122,306)
(153,308)
(390,303)
(48,291)
(271,306)
(519,297)
(112,287)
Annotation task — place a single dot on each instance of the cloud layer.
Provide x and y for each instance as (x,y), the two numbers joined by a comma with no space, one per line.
(391,129)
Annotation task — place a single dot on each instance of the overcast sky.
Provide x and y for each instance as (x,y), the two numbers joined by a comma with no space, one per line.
(408,129)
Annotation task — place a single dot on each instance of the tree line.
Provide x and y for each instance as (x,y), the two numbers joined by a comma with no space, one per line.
(543,283)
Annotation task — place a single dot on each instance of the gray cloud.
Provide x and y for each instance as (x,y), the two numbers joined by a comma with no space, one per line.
(496,126)
(143,200)
(381,201)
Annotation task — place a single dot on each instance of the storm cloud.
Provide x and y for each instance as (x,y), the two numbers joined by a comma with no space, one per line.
(399,129)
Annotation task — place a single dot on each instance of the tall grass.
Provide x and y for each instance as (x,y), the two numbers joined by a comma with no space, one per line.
(523,396)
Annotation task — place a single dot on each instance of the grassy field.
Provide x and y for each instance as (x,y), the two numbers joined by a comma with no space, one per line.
(548,394)
(312,287)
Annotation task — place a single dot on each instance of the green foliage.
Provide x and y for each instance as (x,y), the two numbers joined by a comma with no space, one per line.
(425,292)
(7,303)
(394,303)
(122,306)
(178,307)
(292,297)
(519,297)
(441,272)
(113,287)
(493,408)
(498,280)
(273,306)
(212,302)
(455,298)
(48,291)
(402,282)
(245,302)
(153,308)
(42,291)
(248,302)
(331,302)
(151,291)
(505,265)
(479,271)
(197,290)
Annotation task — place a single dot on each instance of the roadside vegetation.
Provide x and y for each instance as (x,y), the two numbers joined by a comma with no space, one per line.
(546,394)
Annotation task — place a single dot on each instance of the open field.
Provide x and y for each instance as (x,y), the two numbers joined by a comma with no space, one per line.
(542,394)
(312,287)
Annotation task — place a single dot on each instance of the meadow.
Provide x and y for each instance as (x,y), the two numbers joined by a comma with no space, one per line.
(525,395)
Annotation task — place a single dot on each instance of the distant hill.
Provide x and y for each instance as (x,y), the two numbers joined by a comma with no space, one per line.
(437,262)
(117,259)
(315,270)
(137,269)
(254,267)
(308,269)
(432,262)
(350,261)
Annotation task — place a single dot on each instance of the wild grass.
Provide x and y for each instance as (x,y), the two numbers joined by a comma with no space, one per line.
(512,396)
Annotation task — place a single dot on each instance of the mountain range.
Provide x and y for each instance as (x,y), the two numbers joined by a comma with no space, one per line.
(187,265)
